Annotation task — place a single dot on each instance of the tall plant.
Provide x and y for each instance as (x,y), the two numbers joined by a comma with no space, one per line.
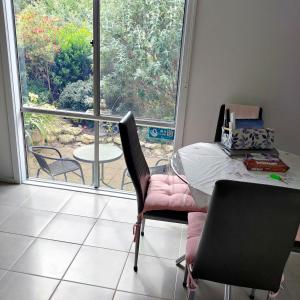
(36,35)
(39,122)
(140,47)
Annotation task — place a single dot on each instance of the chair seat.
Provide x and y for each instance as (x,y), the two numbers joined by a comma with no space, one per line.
(168,192)
(296,247)
(196,221)
(62,166)
(298,235)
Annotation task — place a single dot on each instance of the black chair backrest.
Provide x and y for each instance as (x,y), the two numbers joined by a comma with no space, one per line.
(248,235)
(40,158)
(221,122)
(134,157)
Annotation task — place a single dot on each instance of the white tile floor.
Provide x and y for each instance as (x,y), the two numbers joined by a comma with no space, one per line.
(63,245)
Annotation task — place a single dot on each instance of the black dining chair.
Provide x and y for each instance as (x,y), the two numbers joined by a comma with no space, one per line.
(296,247)
(221,117)
(246,238)
(159,197)
(55,165)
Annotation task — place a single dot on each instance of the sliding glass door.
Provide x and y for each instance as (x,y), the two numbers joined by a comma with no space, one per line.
(82,65)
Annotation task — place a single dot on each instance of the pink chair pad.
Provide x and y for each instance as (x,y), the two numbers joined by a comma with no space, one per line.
(298,235)
(196,221)
(168,192)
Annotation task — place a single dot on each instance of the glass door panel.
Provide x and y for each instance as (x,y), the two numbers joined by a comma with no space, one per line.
(55,53)
(140,44)
(82,65)
(59,148)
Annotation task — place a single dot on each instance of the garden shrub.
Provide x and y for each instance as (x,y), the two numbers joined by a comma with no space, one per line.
(77,96)
(74,60)
(37,87)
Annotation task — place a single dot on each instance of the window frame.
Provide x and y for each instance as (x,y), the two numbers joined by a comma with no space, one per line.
(16,107)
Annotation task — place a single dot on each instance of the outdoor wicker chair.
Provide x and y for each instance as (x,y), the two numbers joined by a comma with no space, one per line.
(59,166)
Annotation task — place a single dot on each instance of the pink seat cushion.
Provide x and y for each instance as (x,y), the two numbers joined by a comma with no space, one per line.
(196,221)
(298,235)
(168,192)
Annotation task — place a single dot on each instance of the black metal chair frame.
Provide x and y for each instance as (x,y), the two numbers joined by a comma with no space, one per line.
(248,235)
(46,167)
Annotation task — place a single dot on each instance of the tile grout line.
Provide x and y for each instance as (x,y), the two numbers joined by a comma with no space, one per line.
(178,269)
(139,294)
(79,244)
(33,242)
(54,291)
(121,273)
(60,212)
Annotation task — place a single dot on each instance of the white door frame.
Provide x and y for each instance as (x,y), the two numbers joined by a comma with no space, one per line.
(184,73)
(12,86)
(12,90)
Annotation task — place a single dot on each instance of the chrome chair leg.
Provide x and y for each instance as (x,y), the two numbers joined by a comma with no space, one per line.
(252,294)
(143,226)
(269,296)
(81,175)
(191,295)
(38,173)
(65,175)
(180,260)
(227,294)
(137,242)
(123,179)
(185,276)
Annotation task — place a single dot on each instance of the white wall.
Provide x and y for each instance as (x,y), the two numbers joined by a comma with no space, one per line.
(246,52)
(10,122)
(6,167)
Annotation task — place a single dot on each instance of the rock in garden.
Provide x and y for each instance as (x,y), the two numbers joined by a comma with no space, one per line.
(117,140)
(55,130)
(152,146)
(85,139)
(158,152)
(169,148)
(51,138)
(72,130)
(66,138)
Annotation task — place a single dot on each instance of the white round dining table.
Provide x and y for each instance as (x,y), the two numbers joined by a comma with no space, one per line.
(202,164)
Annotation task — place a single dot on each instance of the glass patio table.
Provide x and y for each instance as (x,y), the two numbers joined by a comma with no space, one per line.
(107,153)
(202,164)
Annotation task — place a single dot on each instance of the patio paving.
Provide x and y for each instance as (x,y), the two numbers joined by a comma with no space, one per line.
(113,171)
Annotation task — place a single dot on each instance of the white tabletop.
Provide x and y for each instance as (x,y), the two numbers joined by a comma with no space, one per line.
(107,153)
(203,164)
